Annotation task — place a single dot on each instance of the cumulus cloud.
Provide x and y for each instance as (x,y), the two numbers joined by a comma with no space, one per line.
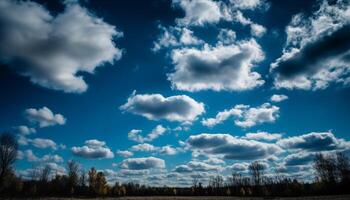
(166,150)
(249,4)
(196,166)
(179,108)
(317,49)
(203,12)
(262,135)
(278,97)
(125,153)
(31,157)
(245,115)
(142,163)
(173,37)
(226,36)
(266,113)
(24,130)
(143,147)
(239,166)
(134,134)
(44,117)
(231,147)
(223,116)
(314,141)
(301,158)
(200,12)
(53,50)
(222,67)
(43,143)
(93,149)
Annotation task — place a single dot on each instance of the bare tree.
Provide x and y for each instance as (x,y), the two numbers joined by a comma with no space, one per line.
(45,173)
(73,169)
(8,153)
(325,167)
(256,170)
(343,167)
(82,178)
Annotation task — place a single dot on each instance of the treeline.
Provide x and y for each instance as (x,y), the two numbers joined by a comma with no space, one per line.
(332,177)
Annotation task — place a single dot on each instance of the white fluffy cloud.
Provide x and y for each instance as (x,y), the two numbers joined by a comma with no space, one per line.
(24,130)
(196,166)
(134,134)
(125,153)
(44,117)
(245,115)
(223,67)
(300,158)
(31,157)
(175,37)
(203,12)
(317,49)
(200,12)
(261,135)
(43,143)
(165,150)
(93,149)
(249,4)
(52,50)
(278,97)
(243,166)
(179,108)
(314,141)
(142,163)
(231,147)
(143,147)
(226,36)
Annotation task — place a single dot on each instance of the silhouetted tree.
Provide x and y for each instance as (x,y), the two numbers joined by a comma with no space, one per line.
(8,154)
(325,168)
(343,167)
(256,170)
(73,169)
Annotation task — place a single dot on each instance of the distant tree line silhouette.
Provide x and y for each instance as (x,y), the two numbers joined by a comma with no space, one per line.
(332,177)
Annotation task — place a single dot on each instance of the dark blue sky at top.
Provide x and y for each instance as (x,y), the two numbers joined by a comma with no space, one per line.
(95,114)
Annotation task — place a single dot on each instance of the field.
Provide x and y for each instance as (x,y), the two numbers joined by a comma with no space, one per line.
(342,197)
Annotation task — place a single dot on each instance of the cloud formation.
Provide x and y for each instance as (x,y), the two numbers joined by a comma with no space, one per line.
(31,157)
(24,130)
(179,108)
(134,134)
(278,97)
(44,117)
(165,150)
(93,149)
(196,166)
(52,50)
(231,147)
(173,37)
(314,141)
(204,12)
(223,67)
(262,135)
(125,153)
(43,143)
(142,163)
(245,115)
(317,49)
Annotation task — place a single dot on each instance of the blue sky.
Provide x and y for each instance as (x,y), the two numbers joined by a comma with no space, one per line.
(160,92)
